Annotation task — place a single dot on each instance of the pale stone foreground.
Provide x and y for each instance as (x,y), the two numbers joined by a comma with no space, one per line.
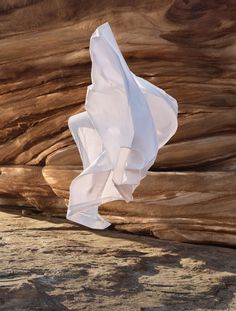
(56,265)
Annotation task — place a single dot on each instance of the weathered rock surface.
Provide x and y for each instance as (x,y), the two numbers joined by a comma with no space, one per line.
(185,47)
(186,206)
(59,266)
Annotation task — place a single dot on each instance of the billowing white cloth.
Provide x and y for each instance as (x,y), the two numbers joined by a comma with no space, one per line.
(127,120)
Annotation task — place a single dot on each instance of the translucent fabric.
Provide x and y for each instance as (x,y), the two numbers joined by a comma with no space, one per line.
(127,120)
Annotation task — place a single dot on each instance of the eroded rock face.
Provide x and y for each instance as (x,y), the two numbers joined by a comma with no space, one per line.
(60,266)
(184,47)
(185,206)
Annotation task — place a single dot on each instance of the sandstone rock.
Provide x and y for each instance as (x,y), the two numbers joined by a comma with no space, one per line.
(185,47)
(185,206)
(25,186)
(59,266)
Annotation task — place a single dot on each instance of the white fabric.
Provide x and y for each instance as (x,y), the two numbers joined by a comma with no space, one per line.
(127,120)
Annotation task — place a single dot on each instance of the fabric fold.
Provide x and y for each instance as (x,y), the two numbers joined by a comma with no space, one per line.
(127,120)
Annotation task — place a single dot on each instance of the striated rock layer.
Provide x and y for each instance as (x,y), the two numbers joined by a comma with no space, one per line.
(185,47)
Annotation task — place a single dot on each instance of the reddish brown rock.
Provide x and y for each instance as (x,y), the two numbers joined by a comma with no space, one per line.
(185,47)
(186,206)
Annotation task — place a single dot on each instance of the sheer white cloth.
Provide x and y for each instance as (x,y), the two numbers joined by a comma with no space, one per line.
(127,120)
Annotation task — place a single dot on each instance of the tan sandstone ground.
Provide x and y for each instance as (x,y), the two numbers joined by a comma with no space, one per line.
(56,265)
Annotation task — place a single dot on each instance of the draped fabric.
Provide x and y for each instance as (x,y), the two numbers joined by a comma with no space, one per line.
(127,120)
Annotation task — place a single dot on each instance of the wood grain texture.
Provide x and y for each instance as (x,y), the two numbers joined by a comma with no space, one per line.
(186,47)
